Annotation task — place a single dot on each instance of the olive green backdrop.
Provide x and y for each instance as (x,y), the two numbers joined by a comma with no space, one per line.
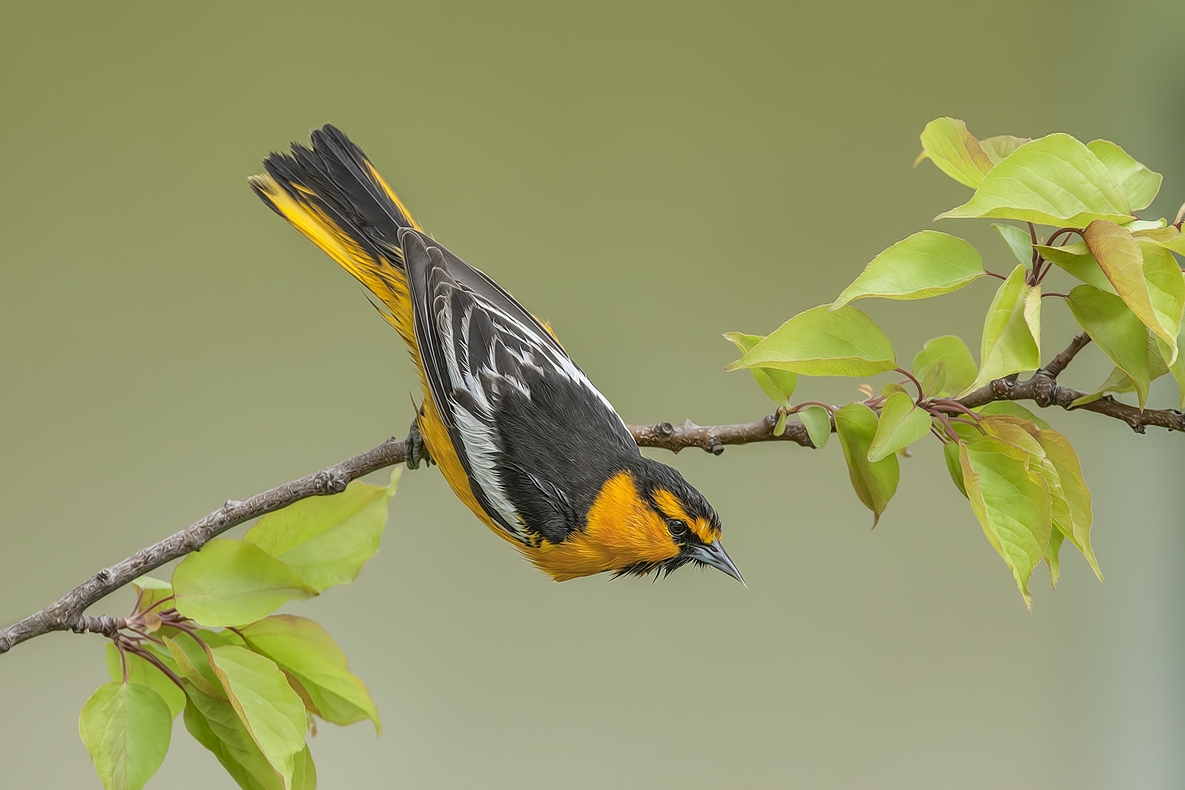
(647,177)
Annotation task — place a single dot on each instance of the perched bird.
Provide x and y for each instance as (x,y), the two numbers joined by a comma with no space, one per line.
(520,433)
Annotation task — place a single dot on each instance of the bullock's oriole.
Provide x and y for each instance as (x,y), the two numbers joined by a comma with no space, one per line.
(520,433)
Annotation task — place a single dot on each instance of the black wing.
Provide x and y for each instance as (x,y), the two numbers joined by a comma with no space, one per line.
(528,426)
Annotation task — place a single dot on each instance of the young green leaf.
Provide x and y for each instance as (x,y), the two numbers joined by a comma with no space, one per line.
(1051,557)
(232,582)
(1061,454)
(1054,180)
(901,424)
(144,673)
(1011,331)
(817,422)
(954,355)
(303,649)
(1122,261)
(1010,408)
(947,143)
(126,728)
(1011,501)
(1178,371)
(194,665)
(1166,289)
(926,264)
(1018,241)
(216,725)
(1170,238)
(1025,435)
(327,540)
(950,454)
(824,342)
(934,380)
(875,483)
(1137,182)
(1076,260)
(265,702)
(151,591)
(997,148)
(779,385)
(1117,332)
(1118,381)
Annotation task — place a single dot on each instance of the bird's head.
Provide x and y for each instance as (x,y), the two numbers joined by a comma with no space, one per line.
(645,518)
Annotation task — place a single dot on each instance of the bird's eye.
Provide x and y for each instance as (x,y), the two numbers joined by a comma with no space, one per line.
(677,527)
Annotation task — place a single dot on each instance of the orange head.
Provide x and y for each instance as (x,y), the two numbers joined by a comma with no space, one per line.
(644,518)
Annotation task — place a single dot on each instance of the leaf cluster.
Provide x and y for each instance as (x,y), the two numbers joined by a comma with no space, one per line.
(1021,478)
(208,645)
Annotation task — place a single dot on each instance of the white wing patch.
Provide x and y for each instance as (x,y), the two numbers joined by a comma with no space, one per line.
(485,351)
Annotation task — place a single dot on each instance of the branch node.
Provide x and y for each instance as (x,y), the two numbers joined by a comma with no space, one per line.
(331,481)
(104,576)
(714,446)
(104,624)
(665,429)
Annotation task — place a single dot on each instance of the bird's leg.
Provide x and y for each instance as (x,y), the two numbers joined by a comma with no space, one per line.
(415,450)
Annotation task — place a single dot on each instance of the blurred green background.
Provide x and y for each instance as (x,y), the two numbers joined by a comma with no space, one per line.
(646,176)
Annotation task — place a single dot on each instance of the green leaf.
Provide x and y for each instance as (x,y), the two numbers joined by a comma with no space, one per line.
(926,264)
(1118,381)
(824,342)
(142,672)
(1054,180)
(1122,261)
(305,651)
(998,148)
(1117,332)
(1170,238)
(901,424)
(326,540)
(1018,241)
(1166,290)
(950,454)
(1025,435)
(1008,408)
(265,702)
(215,725)
(875,483)
(126,728)
(817,422)
(1011,501)
(1178,371)
(1061,454)
(1011,331)
(935,379)
(232,582)
(953,353)
(947,143)
(1137,182)
(779,385)
(193,664)
(150,592)
(1076,260)
(1051,557)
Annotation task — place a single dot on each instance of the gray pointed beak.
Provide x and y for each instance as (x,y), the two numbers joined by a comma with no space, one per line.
(714,554)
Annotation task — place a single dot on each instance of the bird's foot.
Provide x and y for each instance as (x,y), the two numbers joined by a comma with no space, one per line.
(415,451)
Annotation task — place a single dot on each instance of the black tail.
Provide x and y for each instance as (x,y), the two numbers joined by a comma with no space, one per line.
(336,181)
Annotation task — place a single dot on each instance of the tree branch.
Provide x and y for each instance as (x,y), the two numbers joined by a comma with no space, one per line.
(68,612)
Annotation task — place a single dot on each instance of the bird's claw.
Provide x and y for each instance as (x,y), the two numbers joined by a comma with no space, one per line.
(415,451)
